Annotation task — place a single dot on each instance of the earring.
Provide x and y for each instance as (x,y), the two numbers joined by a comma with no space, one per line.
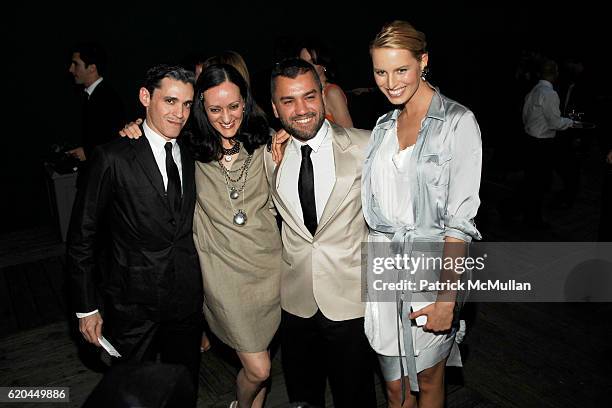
(201,96)
(424,72)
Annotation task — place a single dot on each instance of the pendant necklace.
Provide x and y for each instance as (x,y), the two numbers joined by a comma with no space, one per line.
(233,192)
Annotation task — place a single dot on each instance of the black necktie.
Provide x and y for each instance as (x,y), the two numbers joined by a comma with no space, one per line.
(306,191)
(174,181)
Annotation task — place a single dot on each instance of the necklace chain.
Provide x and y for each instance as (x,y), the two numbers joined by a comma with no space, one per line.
(244,171)
(240,217)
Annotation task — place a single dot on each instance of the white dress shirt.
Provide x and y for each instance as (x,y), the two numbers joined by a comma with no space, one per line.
(324,170)
(157,143)
(93,86)
(541,114)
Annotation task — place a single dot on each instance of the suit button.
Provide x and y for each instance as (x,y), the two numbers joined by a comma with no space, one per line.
(315,245)
(173,223)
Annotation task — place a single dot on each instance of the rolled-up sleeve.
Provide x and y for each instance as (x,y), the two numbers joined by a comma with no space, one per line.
(464,183)
(552,114)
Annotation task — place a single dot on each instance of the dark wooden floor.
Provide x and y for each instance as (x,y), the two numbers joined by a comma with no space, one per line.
(515,354)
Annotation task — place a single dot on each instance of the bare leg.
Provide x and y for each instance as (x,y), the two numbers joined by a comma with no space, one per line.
(431,386)
(250,380)
(205,345)
(394,394)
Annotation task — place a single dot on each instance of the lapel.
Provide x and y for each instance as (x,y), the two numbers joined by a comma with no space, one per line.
(144,157)
(345,165)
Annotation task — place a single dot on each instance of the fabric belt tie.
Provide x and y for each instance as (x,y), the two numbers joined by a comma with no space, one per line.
(399,236)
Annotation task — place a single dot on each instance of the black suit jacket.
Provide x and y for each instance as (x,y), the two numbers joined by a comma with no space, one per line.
(152,272)
(103,117)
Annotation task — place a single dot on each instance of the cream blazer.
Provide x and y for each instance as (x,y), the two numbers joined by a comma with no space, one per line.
(324,272)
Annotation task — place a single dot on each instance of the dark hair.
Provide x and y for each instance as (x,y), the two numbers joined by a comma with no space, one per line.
(156,73)
(291,68)
(232,58)
(202,138)
(92,53)
(321,55)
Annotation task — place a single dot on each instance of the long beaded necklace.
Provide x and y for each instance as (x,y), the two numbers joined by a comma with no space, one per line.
(240,217)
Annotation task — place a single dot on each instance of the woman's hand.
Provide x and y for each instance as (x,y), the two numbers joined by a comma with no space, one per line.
(132,130)
(439,316)
(279,144)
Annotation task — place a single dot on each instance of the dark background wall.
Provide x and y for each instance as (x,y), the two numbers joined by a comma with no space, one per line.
(473,55)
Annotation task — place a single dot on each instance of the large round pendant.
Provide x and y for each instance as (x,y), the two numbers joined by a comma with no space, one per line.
(240,218)
(234,194)
(228,158)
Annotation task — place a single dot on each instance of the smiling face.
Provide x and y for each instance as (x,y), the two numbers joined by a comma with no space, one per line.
(397,73)
(224,108)
(169,106)
(298,104)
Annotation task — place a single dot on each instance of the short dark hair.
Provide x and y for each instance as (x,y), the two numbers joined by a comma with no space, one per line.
(291,68)
(156,73)
(202,138)
(92,53)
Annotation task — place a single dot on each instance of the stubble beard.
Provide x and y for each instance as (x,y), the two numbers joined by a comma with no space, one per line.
(300,134)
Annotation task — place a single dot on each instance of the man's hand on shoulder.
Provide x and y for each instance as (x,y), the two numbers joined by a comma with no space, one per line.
(78,153)
(91,328)
(132,129)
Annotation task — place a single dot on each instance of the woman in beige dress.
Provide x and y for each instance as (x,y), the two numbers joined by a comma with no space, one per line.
(235,231)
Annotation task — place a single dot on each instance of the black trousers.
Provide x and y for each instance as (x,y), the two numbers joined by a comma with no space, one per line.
(175,341)
(538,175)
(317,349)
(567,164)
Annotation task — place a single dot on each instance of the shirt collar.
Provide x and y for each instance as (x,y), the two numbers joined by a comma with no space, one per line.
(155,139)
(93,86)
(545,83)
(436,107)
(316,142)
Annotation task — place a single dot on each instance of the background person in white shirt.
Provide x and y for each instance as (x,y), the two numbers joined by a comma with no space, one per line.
(541,120)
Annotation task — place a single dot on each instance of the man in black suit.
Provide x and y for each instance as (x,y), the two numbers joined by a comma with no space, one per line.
(143,191)
(103,112)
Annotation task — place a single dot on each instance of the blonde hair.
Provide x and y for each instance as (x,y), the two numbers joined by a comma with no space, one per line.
(401,35)
(230,58)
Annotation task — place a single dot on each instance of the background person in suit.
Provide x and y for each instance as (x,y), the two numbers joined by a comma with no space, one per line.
(144,191)
(103,110)
(316,189)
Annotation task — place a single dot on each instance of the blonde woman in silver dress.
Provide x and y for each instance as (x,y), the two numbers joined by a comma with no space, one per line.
(420,183)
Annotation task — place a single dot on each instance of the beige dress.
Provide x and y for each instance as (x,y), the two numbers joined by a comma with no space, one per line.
(240,264)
